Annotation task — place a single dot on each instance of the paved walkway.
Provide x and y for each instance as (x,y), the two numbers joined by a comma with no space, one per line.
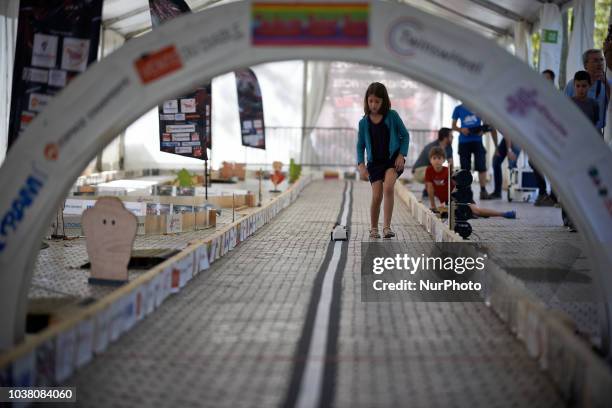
(540,251)
(229,338)
(549,259)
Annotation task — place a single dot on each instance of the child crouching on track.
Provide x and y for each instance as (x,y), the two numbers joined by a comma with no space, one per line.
(436,182)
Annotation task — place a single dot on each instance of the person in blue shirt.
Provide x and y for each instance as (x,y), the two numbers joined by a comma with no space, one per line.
(593,61)
(470,142)
(385,139)
(505,149)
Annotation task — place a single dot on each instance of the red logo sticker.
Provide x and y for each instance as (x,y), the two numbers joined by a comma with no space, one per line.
(153,66)
(51,151)
(176,277)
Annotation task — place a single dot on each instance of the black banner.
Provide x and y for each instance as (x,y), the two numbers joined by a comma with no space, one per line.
(56,41)
(164,10)
(184,122)
(250,106)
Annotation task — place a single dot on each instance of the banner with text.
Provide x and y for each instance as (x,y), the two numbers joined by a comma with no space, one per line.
(250,107)
(184,122)
(55,43)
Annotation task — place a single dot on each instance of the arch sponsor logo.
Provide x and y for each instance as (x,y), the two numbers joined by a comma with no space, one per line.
(151,67)
(408,38)
(14,215)
(524,101)
(51,151)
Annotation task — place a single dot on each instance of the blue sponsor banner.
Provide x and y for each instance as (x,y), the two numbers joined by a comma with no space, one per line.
(10,220)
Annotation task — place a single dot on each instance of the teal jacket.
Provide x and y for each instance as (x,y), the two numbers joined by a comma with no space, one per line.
(399,137)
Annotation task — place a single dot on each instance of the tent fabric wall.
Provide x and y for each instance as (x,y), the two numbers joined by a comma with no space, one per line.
(111,155)
(9,15)
(317,76)
(582,35)
(281,87)
(316,85)
(522,42)
(550,38)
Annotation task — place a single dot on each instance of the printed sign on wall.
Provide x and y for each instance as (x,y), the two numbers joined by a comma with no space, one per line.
(55,43)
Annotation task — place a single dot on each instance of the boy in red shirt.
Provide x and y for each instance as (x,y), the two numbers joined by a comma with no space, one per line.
(436,177)
(436,182)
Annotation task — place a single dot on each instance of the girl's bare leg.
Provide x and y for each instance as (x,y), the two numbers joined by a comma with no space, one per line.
(485,212)
(389,194)
(377,196)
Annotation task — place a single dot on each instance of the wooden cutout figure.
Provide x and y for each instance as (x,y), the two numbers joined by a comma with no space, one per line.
(110,231)
(277,176)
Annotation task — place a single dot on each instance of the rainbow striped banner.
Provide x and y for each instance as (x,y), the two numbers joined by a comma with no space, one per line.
(310,24)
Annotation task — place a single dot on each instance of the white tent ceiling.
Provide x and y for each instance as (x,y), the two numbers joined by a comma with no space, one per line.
(492,18)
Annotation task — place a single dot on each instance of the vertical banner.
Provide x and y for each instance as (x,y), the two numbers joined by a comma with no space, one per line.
(582,36)
(163,10)
(550,38)
(250,107)
(55,43)
(184,122)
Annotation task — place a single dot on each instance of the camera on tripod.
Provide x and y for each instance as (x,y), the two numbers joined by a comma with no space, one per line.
(479,130)
(462,197)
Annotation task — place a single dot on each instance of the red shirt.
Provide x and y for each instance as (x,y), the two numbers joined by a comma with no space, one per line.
(439,181)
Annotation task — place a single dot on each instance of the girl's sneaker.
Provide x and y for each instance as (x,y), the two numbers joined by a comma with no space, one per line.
(510,214)
(374,233)
(388,232)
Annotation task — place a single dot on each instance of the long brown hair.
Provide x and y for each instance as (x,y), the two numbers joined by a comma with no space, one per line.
(377,89)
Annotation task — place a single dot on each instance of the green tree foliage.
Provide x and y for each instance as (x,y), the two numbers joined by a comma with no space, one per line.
(602,14)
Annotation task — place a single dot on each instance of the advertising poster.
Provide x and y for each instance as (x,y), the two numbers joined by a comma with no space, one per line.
(250,107)
(55,43)
(184,122)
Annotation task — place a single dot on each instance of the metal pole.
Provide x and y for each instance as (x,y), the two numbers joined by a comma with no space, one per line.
(449,194)
(564,50)
(102,44)
(260,175)
(304,108)
(206,180)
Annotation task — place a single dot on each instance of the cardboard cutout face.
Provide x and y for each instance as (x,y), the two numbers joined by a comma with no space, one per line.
(110,231)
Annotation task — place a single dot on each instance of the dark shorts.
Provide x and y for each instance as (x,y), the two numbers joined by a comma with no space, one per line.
(480,156)
(377,170)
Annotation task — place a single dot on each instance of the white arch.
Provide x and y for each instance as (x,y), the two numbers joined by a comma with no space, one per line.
(79,122)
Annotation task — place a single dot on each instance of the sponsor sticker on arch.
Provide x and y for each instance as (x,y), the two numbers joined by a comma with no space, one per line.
(408,37)
(151,67)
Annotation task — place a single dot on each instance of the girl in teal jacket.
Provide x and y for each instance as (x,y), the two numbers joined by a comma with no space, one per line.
(385,139)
